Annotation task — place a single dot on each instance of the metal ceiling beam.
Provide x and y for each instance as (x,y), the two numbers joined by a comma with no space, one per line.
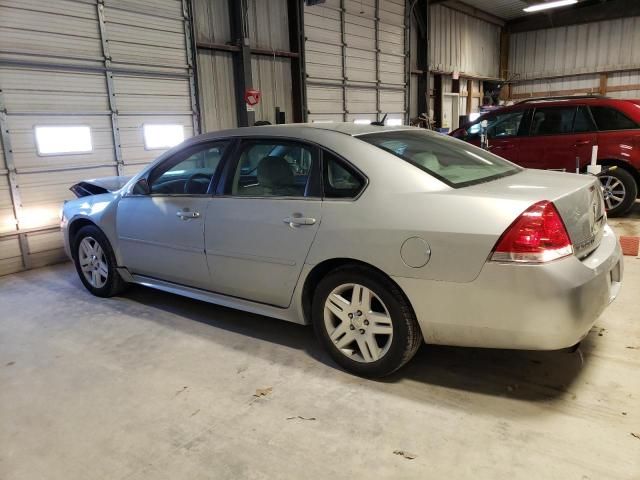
(585,12)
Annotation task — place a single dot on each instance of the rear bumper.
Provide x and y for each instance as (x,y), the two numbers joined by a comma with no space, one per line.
(533,307)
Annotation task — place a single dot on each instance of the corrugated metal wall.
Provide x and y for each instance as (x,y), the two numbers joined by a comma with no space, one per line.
(269,31)
(568,60)
(459,43)
(112,66)
(462,43)
(355,60)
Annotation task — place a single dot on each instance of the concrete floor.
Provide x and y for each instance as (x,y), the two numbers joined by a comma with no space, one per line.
(154,386)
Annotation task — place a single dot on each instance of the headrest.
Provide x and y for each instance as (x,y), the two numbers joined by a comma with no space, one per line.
(274,172)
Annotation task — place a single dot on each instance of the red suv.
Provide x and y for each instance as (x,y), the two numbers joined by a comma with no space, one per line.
(559,133)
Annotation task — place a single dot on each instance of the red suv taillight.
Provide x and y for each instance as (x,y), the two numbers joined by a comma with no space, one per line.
(537,235)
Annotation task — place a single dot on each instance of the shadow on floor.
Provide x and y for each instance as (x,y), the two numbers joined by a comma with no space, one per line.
(523,375)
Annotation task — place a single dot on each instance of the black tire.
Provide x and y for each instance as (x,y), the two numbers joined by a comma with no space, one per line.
(114,283)
(630,190)
(406,338)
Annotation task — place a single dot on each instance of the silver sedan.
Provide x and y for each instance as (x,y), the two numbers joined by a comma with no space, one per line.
(382,238)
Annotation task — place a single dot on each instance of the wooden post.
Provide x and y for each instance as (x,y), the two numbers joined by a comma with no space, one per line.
(603,84)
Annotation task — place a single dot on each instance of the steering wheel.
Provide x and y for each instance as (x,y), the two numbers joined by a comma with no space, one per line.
(192,178)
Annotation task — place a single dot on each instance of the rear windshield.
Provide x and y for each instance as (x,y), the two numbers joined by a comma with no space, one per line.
(456,163)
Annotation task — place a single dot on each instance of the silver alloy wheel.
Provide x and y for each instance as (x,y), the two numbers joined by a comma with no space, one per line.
(93,262)
(613,191)
(358,323)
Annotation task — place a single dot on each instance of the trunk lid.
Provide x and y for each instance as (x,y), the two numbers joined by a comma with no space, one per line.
(578,199)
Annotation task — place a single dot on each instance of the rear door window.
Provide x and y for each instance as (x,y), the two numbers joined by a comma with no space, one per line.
(553,121)
(608,118)
(583,122)
(340,179)
(274,168)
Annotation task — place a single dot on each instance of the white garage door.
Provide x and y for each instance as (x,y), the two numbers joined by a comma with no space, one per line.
(355,60)
(86,76)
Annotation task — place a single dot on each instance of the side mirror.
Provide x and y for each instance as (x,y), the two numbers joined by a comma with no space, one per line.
(141,187)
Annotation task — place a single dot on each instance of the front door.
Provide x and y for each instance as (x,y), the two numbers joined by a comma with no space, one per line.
(258,234)
(504,132)
(161,231)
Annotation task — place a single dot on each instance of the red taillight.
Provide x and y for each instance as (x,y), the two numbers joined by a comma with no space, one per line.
(538,235)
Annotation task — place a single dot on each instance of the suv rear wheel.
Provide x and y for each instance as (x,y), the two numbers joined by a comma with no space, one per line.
(619,190)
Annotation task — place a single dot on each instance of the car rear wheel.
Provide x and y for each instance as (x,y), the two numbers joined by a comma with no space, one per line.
(619,190)
(95,262)
(365,322)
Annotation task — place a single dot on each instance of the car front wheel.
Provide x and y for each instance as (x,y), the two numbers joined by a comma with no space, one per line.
(365,322)
(619,190)
(96,263)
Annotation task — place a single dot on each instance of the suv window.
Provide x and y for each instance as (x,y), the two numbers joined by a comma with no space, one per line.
(340,180)
(272,168)
(553,120)
(500,125)
(188,172)
(583,121)
(608,118)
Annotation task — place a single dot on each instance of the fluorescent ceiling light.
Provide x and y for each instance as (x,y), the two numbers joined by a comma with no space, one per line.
(163,135)
(548,5)
(322,121)
(362,121)
(393,122)
(63,139)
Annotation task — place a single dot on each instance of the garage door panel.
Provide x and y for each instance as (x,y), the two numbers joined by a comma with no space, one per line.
(360,100)
(40,242)
(361,65)
(161,8)
(10,256)
(324,99)
(391,101)
(58,7)
(151,25)
(323,61)
(7,219)
(361,7)
(28,28)
(27,90)
(151,95)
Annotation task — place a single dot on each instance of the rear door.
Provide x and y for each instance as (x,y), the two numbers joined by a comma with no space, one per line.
(260,228)
(161,234)
(560,138)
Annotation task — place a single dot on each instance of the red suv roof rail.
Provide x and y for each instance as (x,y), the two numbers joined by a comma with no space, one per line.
(566,97)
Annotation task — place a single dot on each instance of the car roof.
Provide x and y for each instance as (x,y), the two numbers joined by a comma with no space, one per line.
(299,129)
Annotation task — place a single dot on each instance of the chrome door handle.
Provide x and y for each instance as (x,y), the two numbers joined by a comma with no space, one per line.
(295,221)
(187,215)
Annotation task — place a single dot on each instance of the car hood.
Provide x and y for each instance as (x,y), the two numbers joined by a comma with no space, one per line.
(96,186)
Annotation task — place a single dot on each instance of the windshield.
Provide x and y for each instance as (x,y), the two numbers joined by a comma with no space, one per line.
(456,163)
